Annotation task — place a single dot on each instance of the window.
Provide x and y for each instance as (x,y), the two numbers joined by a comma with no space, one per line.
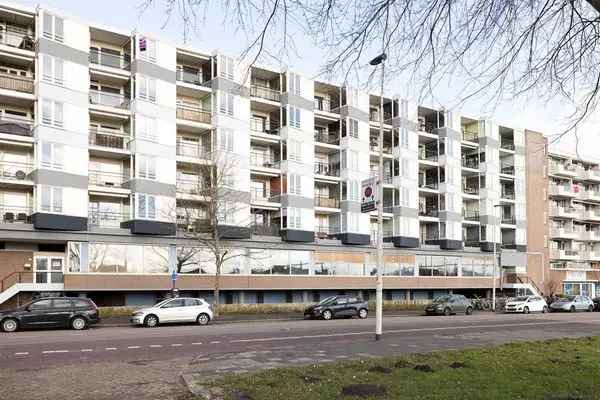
(352,222)
(51,199)
(294,150)
(192,302)
(226,67)
(294,113)
(350,160)
(226,212)
(62,303)
(147,48)
(404,197)
(294,184)
(405,169)
(225,139)
(52,113)
(41,304)
(146,167)
(174,303)
(226,103)
(146,88)
(294,218)
(403,138)
(353,127)
(146,206)
(52,155)
(145,127)
(353,190)
(353,97)
(294,80)
(53,69)
(53,27)
(80,303)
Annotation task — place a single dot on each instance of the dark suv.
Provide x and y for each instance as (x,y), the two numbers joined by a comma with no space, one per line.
(51,312)
(338,306)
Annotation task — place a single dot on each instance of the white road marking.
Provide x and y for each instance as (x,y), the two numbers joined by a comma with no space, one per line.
(133,347)
(156,345)
(196,343)
(86,350)
(110,348)
(215,342)
(443,328)
(54,351)
(22,353)
(176,345)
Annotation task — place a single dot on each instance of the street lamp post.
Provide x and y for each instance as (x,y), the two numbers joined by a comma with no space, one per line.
(496,266)
(379,289)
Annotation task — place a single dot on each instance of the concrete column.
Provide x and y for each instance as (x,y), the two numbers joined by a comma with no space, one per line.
(242,297)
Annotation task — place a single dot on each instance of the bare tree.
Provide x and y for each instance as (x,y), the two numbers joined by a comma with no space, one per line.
(209,209)
(492,49)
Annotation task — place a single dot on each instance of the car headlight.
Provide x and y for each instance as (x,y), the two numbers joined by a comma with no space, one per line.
(137,314)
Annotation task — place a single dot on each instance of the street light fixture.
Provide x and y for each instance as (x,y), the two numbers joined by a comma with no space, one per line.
(379,60)
(496,266)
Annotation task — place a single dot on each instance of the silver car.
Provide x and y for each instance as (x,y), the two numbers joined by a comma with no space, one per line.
(573,304)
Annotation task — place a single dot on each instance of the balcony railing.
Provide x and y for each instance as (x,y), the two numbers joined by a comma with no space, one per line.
(264,196)
(429,185)
(15,214)
(431,212)
(16,37)
(194,78)
(374,116)
(325,105)
(108,179)
(191,186)
(508,244)
(327,137)
(471,242)
(323,168)
(110,60)
(109,99)
(472,190)
(509,220)
(262,126)
(108,138)
(470,136)
(508,194)
(471,215)
(196,114)
(17,171)
(470,163)
(106,219)
(16,83)
(428,127)
(192,150)
(507,145)
(330,202)
(265,230)
(263,160)
(15,125)
(507,169)
(374,146)
(265,93)
(428,154)
(325,232)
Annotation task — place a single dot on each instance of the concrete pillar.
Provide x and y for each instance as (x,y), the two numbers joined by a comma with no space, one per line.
(242,297)
(408,295)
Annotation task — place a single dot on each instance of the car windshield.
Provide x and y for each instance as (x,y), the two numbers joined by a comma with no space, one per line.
(326,300)
(521,298)
(569,298)
(442,299)
(160,303)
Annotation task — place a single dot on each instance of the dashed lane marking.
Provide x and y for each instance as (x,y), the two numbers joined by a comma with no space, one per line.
(86,350)
(155,345)
(133,347)
(54,351)
(110,348)
(22,353)
(197,343)
(215,342)
(176,345)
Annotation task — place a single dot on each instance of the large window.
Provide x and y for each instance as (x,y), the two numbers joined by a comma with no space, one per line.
(52,113)
(146,206)
(438,265)
(51,199)
(119,258)
(330,263)
(279,262)
(52,155)
(146,88)
(53,70)
(477,266)
(53,27)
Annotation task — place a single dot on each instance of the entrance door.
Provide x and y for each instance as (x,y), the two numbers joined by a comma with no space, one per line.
(49,269)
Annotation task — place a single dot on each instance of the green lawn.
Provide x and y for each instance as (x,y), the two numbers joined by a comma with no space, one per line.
(549,370)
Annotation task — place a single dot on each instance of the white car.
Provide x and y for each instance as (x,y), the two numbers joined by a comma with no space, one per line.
(179,309)
(526,304)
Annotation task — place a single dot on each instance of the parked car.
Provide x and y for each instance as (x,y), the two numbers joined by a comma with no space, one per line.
(526,305)
(450,304)
(180,309)
(596,301)
(573,304)
(51,312)
(338,306)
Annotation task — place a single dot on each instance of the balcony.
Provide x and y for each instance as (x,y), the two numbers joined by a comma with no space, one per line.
(14,125)
(470,190)
(507,145)
(563,212)
(264,196)
(327,137)
(109,139)
(471,242)
(563,233)
(508,220)
(265,230)
(265,93)
(590,255)
(323,168)
(17,37)
(325,105)
(112,60)
(429,212)
(562,254)
(507,194)
(426,126)
(507,169)
(325,232)
(15,214)
(263,160)
(262,126)
(589,195)
(106,219)
(17,83)
(16,171)
(428,154)
(471,215)
(195,78)
(374,146)
(195,114)
(589,174)
(374,117)
(192,150)
(557,168)
(191,186)
(591,215)
(591,236)
(109,99)
(329,202)
(561,190)
(472,163)
(108,179)
(470,136)
(431,185)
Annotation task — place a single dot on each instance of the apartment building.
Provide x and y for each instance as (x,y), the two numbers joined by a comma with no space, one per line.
(106,137)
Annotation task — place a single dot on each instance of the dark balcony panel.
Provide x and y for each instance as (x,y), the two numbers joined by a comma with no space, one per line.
(59,222)
(15,126)
(294,235)
(448,244)
(265,230)
(405,242)
(354,238)
(521,248)
(234,232)
(489,246)
(145,227)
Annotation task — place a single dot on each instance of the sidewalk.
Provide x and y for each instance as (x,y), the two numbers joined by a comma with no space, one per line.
(239,318)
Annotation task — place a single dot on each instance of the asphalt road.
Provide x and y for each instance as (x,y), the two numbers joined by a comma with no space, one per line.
(132,362)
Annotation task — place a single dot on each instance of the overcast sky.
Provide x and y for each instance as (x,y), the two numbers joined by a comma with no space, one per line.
(526,113)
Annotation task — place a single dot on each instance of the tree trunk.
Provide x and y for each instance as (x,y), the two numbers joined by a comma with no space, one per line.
(217,290)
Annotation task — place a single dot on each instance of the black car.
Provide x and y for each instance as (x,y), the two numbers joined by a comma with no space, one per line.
(51,312)
(338,306)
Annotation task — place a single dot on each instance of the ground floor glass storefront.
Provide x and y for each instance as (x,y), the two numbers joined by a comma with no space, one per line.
(581,288)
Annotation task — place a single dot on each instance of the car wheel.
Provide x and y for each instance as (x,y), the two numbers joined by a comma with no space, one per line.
(363,313)
(447,311)
(151,321)
(78,323)
(573,309)
(526,310)
(327,315)
(545,310)
(10,325)
(590,308)
(203,319)
(469,311)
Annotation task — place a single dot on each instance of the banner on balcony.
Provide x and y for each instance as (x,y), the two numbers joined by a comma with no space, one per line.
(369,195)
